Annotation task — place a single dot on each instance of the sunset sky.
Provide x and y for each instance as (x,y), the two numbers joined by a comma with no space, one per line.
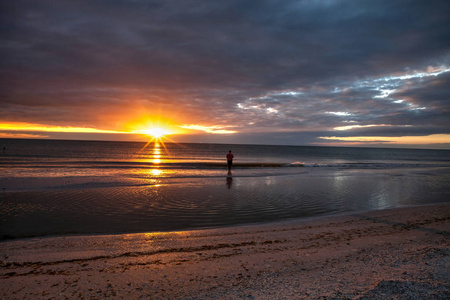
(317,72)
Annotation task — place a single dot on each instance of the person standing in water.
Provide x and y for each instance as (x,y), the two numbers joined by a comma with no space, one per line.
(230,157)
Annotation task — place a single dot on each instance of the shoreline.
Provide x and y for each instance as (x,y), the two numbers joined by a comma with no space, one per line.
(260,224)
(381,253)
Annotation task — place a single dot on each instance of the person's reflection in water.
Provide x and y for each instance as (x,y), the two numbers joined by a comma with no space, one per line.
(229,181)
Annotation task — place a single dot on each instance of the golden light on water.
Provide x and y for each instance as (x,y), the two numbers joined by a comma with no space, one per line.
(156,155)
(156,172)
(156,151)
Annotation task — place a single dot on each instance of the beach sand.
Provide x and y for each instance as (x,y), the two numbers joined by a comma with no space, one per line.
(398,253)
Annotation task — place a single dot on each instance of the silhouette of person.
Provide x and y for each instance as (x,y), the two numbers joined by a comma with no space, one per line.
(230,157)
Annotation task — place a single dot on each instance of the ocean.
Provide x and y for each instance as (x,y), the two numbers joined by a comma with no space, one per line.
(53,187)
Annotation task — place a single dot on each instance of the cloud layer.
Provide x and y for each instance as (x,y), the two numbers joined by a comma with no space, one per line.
(283,72)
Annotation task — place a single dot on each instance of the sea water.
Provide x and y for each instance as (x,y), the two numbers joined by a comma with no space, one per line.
(51,187)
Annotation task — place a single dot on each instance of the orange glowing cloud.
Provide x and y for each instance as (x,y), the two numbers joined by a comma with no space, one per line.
(215,129)
(21,136)
(45,128)
(401,140)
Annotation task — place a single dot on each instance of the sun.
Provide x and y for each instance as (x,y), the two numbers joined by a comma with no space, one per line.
(156,132)
(158,135)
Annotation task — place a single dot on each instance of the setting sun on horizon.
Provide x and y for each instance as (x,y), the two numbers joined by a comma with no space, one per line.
(156,132)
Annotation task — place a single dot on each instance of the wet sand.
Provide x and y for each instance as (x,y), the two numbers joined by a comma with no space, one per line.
(399,253)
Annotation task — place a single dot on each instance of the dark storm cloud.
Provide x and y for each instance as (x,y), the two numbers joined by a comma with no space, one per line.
(299,67)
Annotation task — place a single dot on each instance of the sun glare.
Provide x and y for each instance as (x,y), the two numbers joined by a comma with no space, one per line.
(155,132)
(158,135)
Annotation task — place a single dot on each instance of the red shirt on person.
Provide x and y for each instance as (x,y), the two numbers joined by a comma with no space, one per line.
(230,156)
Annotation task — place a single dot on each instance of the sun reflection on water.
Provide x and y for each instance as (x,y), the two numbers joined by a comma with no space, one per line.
(156,154)
(156,172)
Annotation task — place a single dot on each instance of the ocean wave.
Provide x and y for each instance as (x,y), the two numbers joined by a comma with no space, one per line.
(205,165)
(368,165)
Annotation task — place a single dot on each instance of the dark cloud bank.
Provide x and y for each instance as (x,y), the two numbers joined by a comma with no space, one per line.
(278,72)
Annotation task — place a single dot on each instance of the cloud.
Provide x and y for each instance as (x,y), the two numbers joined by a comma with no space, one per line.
(40,128)
(209,129)
(417,140)
(291,70)
(6,135)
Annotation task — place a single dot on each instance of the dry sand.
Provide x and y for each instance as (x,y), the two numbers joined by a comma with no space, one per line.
(390,254)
